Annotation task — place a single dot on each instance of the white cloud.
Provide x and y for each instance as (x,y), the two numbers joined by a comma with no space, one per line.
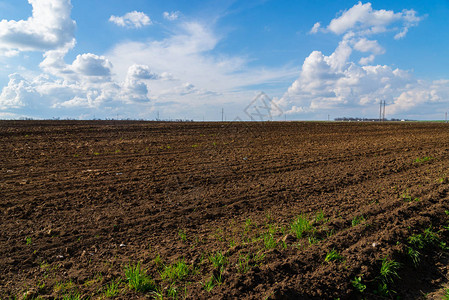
(186,56)
(11,53)
(91,65)
(363,19)
(334,81)
(135,86)
(171,16)
(135,77)
(17,93)
(364,45)
(367,60)
(324,84)
(315,28)
(84,84)
(141,72)
(49,27)
(132,19)
(426,96)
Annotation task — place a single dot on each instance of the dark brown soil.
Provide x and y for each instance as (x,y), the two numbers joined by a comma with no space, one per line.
(82,201)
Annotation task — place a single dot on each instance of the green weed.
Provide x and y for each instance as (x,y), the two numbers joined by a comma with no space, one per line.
(158,261)
(389,270)
(138,279)
(243,265)
(72,296)
(383,290)
(258,258)
(62,287)
(313,240)
(424,159)
(319,216)
(218,260)
(176,272)
(269,241)
(357,220)
(209,284)
(333,255)
(417,241)
(172,292)
(431,237)
(182,235)
(248,224)
(414,255)
(301,226)
(358,285)
(28,240)
(111,290)
(407,197)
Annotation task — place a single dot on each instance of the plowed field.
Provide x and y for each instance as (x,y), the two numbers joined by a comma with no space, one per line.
(288,210)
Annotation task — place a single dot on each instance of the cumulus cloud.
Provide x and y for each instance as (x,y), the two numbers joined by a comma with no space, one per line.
(364,45)
(91,65)
(86,83)
(135,85)
(363,19)
(325,84)
(141,72)
(85,67)
(316,27)
(334,81)
(49,27)
(367,60)
(171,16)
(132,19)
(135,77)
(17,94)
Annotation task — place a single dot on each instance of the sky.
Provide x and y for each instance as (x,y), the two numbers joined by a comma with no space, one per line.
(148,59)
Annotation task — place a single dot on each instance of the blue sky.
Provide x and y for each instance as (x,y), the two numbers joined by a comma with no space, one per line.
(189,59)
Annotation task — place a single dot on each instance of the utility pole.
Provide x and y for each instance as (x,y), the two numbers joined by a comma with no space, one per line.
(222,114)
(380,111)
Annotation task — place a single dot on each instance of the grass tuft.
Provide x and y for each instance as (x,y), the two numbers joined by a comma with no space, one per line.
(218,260)
(138,279)
(301,226)
(269,241)
(176,272)
(357,220)
(389,270)
(333,255)
(111,290)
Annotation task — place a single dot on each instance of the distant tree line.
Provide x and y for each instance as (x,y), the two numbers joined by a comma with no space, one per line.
(107,119)
(350,119)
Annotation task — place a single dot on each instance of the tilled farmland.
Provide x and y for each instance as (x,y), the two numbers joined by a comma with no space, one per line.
(272,210)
